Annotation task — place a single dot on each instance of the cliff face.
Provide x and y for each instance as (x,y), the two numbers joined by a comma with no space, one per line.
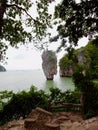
(67,72)
(2,69)
(49,64)
(81,57)
(67,69)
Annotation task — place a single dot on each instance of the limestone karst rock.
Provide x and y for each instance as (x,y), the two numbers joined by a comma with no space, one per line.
(49,64)
(2,69)
(67,66)
(67,72)
(70,67)
(81,56)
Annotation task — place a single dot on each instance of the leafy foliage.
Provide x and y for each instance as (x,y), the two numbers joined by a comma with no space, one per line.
(22,103)
(66,62)
(76,20)
(66,96)
(18,26)
(43,18)
(5,96)
(69,61)
(92,49)
(83,75)
(90,58)
(83,82)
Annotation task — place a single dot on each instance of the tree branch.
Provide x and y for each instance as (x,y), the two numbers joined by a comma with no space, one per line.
(20,8)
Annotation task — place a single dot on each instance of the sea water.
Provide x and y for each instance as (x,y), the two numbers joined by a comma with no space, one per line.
(18,80)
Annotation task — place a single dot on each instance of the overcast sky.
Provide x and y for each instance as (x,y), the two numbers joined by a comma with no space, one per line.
(28,58)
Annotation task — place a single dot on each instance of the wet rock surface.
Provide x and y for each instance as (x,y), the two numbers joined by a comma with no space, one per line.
(40,119)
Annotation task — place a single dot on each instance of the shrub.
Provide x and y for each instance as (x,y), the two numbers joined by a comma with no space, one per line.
(84,83)
(67,96)
(22,103)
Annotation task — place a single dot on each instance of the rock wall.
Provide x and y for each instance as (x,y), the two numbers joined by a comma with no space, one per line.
(49,64)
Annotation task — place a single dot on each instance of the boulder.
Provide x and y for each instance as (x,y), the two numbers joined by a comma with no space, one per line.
(37,119)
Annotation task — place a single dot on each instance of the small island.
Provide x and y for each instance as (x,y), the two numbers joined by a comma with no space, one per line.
(2,69)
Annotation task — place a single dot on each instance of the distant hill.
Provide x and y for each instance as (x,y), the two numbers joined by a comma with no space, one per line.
(2,69)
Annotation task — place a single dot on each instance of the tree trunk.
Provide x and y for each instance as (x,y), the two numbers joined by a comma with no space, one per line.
(3,4)
(82,103)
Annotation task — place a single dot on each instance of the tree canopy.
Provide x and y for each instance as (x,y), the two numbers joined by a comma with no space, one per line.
(76,20)
(16,15)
